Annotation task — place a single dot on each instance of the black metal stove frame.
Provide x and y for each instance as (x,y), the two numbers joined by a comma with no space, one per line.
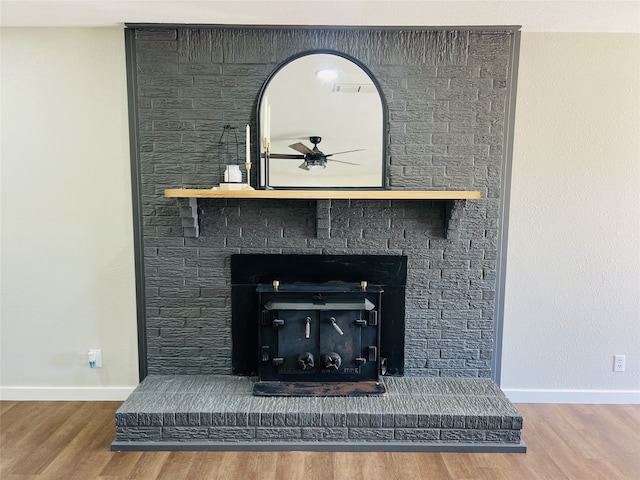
(251,271)
(311,335)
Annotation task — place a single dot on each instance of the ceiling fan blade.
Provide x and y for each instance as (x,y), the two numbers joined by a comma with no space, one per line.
(286,156)
(342,161)
(347,151)
(302,148)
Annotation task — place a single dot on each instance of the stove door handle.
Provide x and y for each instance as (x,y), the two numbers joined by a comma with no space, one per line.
(307,327)
(335,325)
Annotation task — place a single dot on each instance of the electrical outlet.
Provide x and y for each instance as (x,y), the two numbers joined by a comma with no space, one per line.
(95,358)
(618,363)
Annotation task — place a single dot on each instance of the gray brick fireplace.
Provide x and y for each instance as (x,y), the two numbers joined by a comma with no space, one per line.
(447,93)
(450,108)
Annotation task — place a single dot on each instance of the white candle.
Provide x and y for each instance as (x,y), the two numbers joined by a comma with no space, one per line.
(248,144)
(265,121)
(268,129)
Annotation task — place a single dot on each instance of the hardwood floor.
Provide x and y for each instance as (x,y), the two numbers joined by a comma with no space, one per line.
(70,440)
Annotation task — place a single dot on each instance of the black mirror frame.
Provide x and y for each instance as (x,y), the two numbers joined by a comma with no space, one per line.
(385,123)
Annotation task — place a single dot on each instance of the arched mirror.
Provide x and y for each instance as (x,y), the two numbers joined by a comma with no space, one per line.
(322,124)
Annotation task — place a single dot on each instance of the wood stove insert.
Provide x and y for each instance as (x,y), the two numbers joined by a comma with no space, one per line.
(318,324)
(320,339)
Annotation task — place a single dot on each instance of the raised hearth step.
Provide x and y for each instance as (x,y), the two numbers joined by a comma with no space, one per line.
(197,412)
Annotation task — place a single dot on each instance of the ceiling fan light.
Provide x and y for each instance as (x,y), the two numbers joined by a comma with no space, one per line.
(316,166)
(327,74)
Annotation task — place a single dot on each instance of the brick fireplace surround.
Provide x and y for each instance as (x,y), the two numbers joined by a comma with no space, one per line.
(449,98)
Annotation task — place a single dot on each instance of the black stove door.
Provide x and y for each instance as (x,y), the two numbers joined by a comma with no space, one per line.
(298,346)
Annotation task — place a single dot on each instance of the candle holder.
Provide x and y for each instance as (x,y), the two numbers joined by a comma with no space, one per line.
(264,157)
(247,166)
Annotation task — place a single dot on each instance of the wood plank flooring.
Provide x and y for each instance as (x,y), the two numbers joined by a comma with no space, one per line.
(70,440)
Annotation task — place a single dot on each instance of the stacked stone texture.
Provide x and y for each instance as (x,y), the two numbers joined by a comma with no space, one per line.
(210,410)
(446,131)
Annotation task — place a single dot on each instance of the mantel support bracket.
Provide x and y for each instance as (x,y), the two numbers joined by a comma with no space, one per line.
(189,217)
(323,218)
(454,210)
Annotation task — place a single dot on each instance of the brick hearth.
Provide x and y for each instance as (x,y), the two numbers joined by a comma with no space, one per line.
(218,412)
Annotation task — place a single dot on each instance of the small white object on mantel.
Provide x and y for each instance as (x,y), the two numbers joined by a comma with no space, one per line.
(233,186)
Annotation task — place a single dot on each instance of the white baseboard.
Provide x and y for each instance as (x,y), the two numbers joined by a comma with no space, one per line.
(573,396)
(67,394)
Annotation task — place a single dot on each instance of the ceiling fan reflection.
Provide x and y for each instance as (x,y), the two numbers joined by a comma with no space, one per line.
(314,159)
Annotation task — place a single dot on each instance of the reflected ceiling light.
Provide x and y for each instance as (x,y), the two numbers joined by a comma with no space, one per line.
(313,167)
(327,74)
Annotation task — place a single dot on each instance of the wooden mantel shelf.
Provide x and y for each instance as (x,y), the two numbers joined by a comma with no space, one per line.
(326,194)
(323,214)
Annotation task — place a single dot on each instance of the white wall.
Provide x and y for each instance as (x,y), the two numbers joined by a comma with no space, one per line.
(573,264)
(67,242)
(573,272)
